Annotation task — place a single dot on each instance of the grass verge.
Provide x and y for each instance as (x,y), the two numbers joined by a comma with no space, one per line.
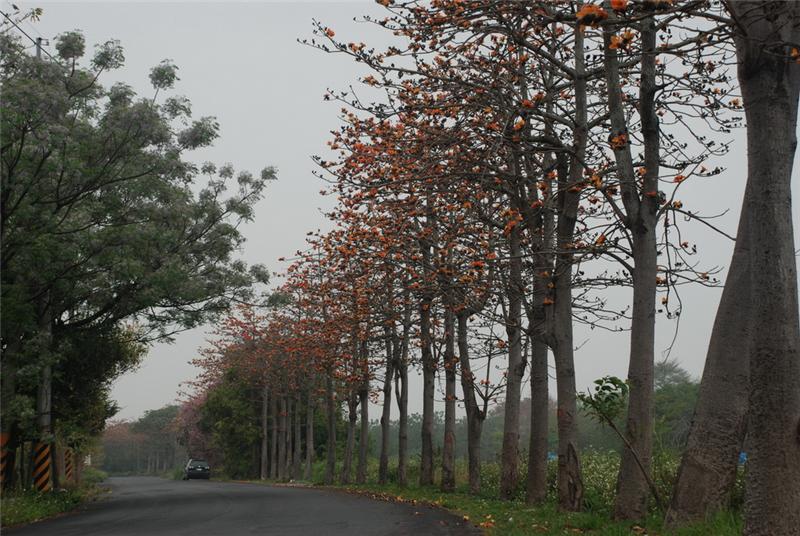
(23,507)
(515,518)
(512,518)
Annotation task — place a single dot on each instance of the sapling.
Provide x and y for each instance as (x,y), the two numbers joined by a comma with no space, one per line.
(605,405)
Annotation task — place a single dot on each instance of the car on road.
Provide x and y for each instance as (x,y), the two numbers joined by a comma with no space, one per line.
(197,469)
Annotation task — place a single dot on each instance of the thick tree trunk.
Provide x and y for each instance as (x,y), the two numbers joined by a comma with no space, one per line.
(352,406)
(27,462)
(363,440)
(428,391)
(475,416)
(754,341)
(79,456)
(449,446)
(383,464)
(264,473)
(632,485)
(273,448)
(541,227)
(297,459)
(537,448)
(310,435)
(44,403)
(56,459)
(707,471)
(401,392)
(770,83)
(570,173)
(330,453)
(287,472)
(282,454)
(570,481)
(509,470)
(401,386)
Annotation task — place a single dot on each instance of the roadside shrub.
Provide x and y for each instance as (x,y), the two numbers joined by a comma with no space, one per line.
(599,479)
(92,476)
(665,472)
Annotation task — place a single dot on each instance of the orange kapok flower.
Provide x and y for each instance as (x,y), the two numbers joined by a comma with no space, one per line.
(619,5)
(591,15)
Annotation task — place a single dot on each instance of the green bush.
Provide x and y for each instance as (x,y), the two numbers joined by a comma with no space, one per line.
(92,476)
(599,480)
(175,474)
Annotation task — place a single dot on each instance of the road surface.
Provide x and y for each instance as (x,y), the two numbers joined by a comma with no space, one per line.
(147,506)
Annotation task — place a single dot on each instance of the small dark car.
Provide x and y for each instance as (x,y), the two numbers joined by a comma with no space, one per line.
(197,469)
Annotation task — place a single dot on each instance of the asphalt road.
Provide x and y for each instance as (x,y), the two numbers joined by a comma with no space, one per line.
(145,506)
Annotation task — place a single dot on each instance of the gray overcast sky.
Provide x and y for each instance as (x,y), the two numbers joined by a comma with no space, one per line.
(241,63)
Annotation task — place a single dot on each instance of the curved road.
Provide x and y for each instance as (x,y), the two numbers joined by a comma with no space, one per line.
(153,507)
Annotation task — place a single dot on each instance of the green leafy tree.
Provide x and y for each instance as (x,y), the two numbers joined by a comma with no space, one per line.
(92,360)
(231,416)
(104,221)
(675,398)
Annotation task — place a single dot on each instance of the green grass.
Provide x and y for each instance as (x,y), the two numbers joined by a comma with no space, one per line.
(23,507)
(20,508)
(514,518)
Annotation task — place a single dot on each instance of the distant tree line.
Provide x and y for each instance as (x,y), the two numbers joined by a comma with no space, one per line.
(225,428)
(146,446)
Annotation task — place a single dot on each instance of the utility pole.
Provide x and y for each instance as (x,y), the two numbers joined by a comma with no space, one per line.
(38,48)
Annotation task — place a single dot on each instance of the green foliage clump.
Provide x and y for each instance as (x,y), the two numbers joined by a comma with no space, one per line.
(599,480)
(608,401)
(92,476)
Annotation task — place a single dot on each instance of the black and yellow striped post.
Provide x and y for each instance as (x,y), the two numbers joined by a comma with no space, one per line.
(69,470)
(42,467)
(6,458)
